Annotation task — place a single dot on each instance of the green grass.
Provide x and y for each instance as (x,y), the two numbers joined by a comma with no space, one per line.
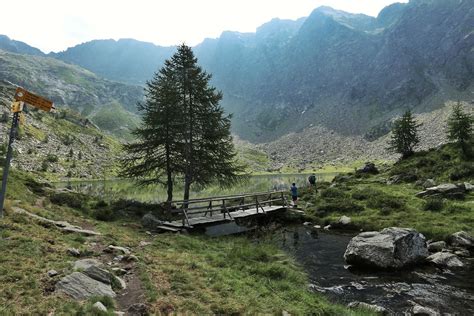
(373,205)
(179,273)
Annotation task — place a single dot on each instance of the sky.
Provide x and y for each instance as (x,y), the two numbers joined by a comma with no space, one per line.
(54,25)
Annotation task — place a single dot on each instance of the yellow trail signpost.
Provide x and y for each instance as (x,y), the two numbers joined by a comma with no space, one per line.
(22,96)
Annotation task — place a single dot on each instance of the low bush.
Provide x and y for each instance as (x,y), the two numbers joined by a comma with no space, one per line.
(74,200)
(340,206)
(433,204)
(464,170)
(104,214)
(365,193)
(333,193)
(51,158)
(385,201)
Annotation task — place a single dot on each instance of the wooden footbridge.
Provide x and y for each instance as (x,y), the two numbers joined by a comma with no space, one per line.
(227,208)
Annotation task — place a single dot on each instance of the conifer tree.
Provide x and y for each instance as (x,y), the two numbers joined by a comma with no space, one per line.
(185,131)
(404,135)
(460,128)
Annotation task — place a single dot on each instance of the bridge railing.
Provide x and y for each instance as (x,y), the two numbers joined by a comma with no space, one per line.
(228,203)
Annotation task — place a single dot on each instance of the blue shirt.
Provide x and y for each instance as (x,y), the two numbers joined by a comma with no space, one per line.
(294,191)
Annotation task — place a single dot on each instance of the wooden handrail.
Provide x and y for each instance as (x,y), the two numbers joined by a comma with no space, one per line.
(226,197)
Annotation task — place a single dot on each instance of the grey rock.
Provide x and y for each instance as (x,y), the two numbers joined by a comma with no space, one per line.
(428,183)
(100,307)
(121,282)
(119,271)
(79,286)
(74,252)
(392,248)
(424,311)
(462,253)
(98,274)
(149,221)
(344,220)
(83,264)
(445,259)
(468,187)
(327,227)
(442,189)
(436,246)
(138,309)
(375,308)
(144,243)
(52,273)
(131,258)
(307,223)
(114,249)
(317,226)
(461,239)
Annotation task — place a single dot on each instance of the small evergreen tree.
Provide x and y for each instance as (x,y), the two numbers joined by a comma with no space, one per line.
(460,128)
(404,135)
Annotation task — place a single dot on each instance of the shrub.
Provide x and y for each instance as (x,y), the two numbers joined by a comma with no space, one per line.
(333,193)
(433,204)
(382,201)
(462,171)
(341,206)
(365,193)
(52,158)
(104,214)
(74,200)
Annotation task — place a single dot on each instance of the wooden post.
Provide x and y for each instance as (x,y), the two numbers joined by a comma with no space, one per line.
(6,168)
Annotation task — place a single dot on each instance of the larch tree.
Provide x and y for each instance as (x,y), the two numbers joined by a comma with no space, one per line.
(185,131)
(404,135)
(460,128)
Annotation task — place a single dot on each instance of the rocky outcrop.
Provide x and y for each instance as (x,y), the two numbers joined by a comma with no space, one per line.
(374,308)
(368,168)
(461,239)
(445,190)
(80,286)
(445,259)
(392,248)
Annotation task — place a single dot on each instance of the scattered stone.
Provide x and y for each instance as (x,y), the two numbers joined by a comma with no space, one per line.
(52,273)
(83,264)
(138,309)
(375,308)
(445,189)
(445,259)
(462,253)
(121,282)
(344,220)
(118,258)
(79,286)
(461,239)
(74,252)
(113,249)
(285,313)
(468,187)
(150,221)
(307,223)
(119,271)
(131,258)
(394,179)
(98,274)
(392,248)
(144,243)
(428,183)
(424,311)
(436,246)
(62,225)
(317,226)
(327,227)
(148,233)
(119,313)
(100,307)
(368,168)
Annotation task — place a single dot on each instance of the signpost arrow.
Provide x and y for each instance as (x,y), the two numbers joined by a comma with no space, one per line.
(21,96)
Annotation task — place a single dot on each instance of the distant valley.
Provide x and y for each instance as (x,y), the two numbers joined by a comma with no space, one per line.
(333,72)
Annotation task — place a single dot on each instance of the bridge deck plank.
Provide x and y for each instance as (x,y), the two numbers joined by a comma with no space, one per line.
(219,217)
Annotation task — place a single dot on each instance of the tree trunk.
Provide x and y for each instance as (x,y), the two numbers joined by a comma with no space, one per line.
(187,186)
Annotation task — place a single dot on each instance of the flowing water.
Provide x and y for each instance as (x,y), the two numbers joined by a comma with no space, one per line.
(321,254)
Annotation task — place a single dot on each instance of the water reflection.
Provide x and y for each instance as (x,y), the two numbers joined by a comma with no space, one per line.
(127,189)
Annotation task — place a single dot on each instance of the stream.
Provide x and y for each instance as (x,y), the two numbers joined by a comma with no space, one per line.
(321,255)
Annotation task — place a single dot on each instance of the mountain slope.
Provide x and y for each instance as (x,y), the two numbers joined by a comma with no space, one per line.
(346,72)
(18,47)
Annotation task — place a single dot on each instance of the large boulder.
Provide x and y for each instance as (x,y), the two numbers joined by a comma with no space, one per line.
(80,286)
(445,189)
(461,239)
(436,246)
(392,248)
(368,168)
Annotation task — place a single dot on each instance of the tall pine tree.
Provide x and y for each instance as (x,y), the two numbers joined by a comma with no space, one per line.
(404,135)
(460,128)
(156,156)
(185,131)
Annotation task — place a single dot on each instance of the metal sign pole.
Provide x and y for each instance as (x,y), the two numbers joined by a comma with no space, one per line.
(6,168)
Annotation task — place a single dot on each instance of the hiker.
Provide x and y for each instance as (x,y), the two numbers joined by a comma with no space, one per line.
(312,180)
(294,194)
